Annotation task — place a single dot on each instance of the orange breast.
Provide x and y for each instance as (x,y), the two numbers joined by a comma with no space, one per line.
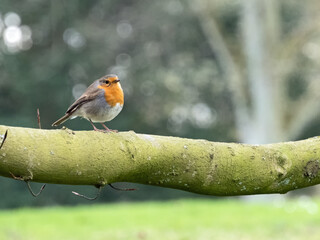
(113,94)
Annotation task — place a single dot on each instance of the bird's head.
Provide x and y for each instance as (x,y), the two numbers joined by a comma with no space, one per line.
(112,89)
(110,80)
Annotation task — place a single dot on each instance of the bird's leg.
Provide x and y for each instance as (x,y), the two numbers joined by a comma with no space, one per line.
(108,129)
(94,127)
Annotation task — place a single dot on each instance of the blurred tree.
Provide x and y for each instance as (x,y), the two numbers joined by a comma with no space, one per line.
(278,53)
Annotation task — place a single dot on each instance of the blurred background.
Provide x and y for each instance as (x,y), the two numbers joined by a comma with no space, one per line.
(221,70)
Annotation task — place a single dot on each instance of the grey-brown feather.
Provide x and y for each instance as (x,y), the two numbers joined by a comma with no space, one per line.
(91,93)
(61,120)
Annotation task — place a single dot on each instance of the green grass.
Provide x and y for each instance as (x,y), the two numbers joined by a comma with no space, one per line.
(173,220)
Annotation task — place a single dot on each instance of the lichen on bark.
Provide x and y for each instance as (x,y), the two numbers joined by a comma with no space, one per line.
(94,158)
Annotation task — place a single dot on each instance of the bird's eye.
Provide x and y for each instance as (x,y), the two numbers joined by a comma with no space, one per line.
(107,81)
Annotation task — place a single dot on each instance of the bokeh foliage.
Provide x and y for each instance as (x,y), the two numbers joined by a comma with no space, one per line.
(157,49)
(172,82)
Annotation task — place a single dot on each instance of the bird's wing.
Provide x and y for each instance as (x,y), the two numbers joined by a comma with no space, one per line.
(90,94)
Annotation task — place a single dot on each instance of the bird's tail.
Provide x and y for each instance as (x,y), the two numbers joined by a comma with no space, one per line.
(61,120)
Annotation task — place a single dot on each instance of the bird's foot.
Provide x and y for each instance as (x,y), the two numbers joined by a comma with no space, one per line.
(100,130)
(108,129)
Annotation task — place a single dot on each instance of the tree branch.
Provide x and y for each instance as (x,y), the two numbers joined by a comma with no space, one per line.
(93,158)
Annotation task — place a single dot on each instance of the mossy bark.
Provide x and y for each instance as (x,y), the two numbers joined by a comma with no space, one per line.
(95,158)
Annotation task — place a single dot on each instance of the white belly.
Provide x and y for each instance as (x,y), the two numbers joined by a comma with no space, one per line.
(109,113)
(104,114)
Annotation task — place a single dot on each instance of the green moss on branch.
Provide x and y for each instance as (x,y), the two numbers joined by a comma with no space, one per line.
(94,158)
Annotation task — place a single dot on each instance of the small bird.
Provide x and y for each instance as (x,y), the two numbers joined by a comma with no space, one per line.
(101,102)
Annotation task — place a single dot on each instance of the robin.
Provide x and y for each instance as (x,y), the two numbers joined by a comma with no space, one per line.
(101,102)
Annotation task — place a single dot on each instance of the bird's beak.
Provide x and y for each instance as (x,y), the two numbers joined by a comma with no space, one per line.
(118,80)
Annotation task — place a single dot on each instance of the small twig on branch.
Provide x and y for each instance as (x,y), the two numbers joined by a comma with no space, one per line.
(32,193)
(121,189)
(38,116)
(89,198)
(15,177)
(4,138)
(99,191)
(28,184)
